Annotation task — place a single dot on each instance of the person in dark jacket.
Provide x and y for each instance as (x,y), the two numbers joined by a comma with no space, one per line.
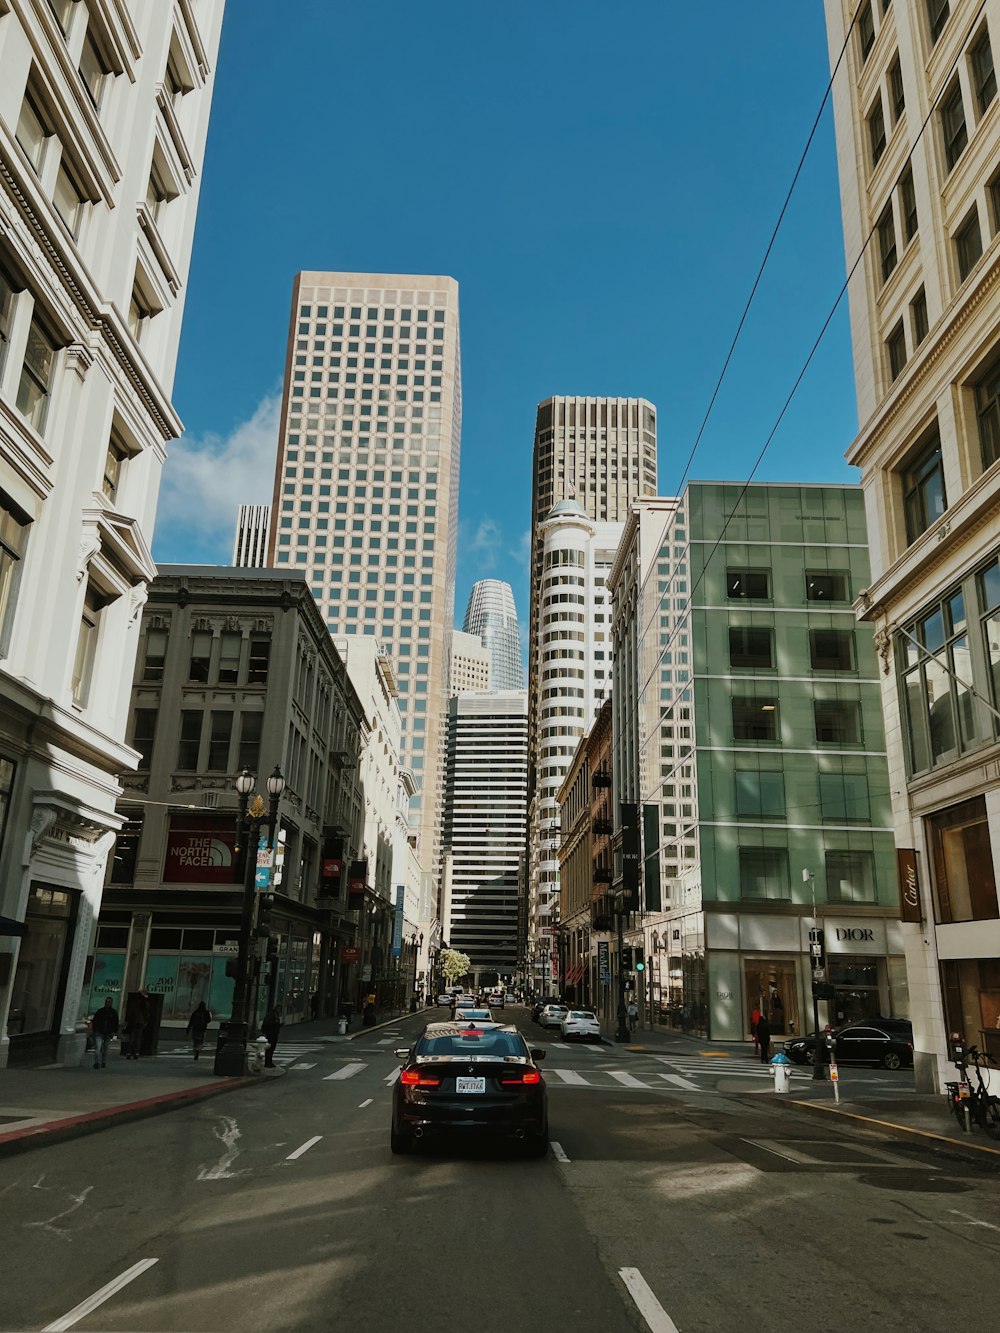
(136,1018)
(104,1026)
(764,1039)
(270,1027)
(196,1027)
(368,1016)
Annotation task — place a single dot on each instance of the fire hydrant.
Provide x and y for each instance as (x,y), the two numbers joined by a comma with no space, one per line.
(342,1026)
(259,1055)
(781,1068)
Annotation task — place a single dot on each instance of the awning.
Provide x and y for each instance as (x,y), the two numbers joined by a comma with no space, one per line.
(8,926)
(574,974)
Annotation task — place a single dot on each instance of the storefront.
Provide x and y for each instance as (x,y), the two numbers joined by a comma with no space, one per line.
(39,983)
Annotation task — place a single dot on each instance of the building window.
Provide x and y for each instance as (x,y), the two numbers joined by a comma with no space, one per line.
(68,201)
(895,350)
(838,721)
(13,537)
(827,586)
(831,649)
(764,873)
(876,131)
(968,245)
(984,79)
(755,719)
(36,376)
(953,128)
(924,499)
(936,667)
(124,856)
(32,133)
(220,734)
(844,799)
(937,17)
(229,657)
(989,601)
(918,317)
(86,645)
(908,206)
(760,795)
(156,656)
(750,647)
(748,583)
(965,886)
(896,95)
(189,741)
(887,242)
(6,315)
(850,877)
(139,314)
(201,656)
(143,735)
(114,461)
(259,660)
(988,414)
(94,72)
(866,30)
(62,10)
(250,732)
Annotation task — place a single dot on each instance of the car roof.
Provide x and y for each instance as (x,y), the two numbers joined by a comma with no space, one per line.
(450,1029)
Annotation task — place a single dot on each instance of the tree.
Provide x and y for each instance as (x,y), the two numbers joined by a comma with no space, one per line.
(454,965)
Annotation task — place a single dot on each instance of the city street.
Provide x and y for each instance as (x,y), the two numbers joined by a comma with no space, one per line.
(664,1203)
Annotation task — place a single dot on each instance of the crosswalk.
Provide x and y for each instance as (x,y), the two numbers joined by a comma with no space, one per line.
(290,1054)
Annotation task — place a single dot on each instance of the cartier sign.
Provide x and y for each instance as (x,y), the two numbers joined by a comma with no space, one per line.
(909,886)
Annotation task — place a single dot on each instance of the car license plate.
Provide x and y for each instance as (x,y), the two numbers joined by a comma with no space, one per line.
(470,1085)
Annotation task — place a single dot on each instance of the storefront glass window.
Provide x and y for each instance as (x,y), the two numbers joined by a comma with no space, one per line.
(964,878)
(38,981)
(770,987)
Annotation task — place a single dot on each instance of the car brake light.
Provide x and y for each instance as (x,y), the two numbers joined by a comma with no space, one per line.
(529,1076)
(414,1079)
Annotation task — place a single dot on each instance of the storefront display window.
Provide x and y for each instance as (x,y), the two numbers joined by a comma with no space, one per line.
(964,879)
(771,988)
(40,977)
(856,981)
(972,1001)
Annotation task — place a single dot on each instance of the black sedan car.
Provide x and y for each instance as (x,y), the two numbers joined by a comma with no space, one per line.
(887,1043)
(464,1082)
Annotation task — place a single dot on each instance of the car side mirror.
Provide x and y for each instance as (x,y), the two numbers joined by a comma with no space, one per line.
(402,1052)
(537,1055)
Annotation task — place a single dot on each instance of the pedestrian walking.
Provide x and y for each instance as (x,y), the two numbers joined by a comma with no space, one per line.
(104,1026)
(754,1020)
(136,1018)
(314,1005)
(196,1027)
(368,1015)
(764,1038)
(632,1011)
(270,1027)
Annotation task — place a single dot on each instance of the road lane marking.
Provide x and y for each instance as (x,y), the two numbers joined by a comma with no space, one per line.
(569,1076)
(557,1151)
(657,1319)
(973,1221)
(387,1041)
(627,1080)
(309,1143)
(301,1066)
(393,1076)
(99,1297)
(362,1105)
(348,1071)
(679,1082)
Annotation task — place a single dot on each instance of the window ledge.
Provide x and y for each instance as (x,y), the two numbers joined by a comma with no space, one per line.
(152,233)
(23,449)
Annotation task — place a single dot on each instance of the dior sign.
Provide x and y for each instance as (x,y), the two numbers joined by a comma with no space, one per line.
(909,886)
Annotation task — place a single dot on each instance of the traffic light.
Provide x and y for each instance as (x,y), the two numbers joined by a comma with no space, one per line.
(816,947)
(640,966)
(265,903)
(628,958)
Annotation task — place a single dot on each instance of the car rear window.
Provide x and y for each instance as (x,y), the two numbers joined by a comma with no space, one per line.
(487,1042)
(582,1013)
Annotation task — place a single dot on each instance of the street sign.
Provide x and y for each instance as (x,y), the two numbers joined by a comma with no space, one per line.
(265,861)
(349,954)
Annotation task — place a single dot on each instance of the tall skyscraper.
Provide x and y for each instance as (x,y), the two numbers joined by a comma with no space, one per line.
(250,543)
(366,485)
(491,614)
(470,664)
(593,457)
(484,827)
(103,119)
(925,323)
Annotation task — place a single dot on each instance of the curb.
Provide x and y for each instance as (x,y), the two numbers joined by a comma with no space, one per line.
(375,1027)
(900,1131)
(90,1122)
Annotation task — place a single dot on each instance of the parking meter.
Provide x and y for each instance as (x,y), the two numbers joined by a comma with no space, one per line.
(956,1048)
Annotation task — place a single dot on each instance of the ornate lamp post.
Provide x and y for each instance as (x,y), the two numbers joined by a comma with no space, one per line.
(230,1062)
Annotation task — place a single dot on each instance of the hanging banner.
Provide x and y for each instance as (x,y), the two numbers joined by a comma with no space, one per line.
(651,865)
(357,878)
(604,962)
(397,923)
(630,856)
(909,885)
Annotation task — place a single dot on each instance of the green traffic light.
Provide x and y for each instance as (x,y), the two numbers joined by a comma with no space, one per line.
(640,967)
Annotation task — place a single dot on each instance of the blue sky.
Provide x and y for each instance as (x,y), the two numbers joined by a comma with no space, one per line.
(601,181)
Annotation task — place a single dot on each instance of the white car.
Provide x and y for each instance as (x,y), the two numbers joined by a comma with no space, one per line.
(479,1018)
(552,1015)
(580,1023)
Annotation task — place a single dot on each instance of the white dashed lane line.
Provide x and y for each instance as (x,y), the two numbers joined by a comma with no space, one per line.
(657,1319)
(99,1297)
(557,1151)
(309,1143)
(362,1105)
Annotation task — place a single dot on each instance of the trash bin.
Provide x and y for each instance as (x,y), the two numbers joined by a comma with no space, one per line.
(781,1068)
(219,1043)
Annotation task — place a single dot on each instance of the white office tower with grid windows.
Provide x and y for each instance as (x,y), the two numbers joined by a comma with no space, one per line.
(492,616)
(366,487)
(104,113)
(250,544)
(593,457)
(484,827)
(918,137)
(471,664)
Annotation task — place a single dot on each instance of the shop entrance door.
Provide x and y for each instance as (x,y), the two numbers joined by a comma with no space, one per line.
(771,988)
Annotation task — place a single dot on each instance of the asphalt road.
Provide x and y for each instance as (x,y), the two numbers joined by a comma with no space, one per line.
(664,1205)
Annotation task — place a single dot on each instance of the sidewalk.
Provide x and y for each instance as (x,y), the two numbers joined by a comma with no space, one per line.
(863,1105)
(50,1103)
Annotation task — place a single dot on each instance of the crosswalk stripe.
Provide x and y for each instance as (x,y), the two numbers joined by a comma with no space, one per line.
(348,1071)
(569,1076)
(679,1082)
(627,1080)
(393,1076)
(304,1066)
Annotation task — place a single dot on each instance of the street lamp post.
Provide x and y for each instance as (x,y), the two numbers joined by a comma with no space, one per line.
(230,1061)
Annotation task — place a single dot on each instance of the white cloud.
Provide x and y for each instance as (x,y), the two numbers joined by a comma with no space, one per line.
(206,478)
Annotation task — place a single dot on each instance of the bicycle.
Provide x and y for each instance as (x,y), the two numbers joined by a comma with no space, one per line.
(983,1106)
